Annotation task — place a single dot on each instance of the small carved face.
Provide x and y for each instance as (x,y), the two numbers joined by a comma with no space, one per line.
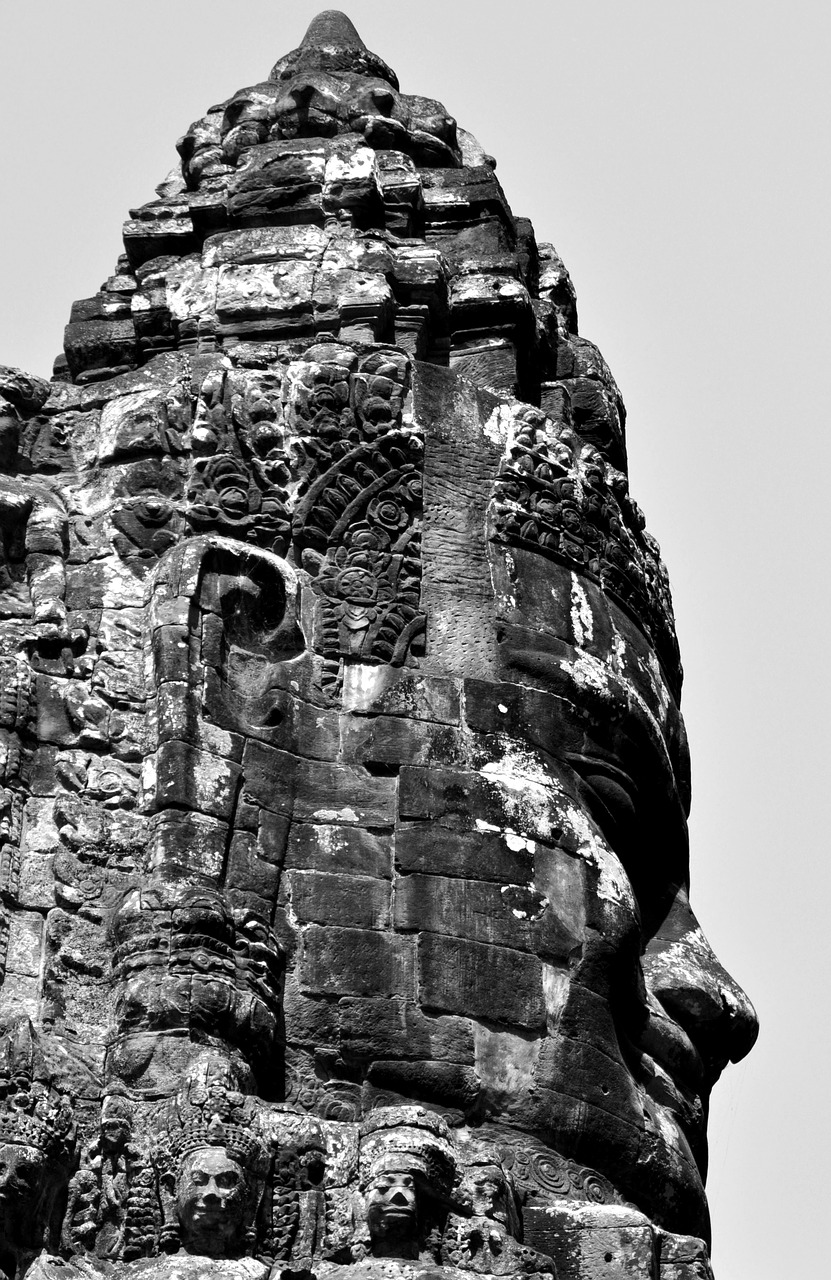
(116,1124)
(115,1132)
(21,1179)
(210,1201)
(487,1192)
(391,1210)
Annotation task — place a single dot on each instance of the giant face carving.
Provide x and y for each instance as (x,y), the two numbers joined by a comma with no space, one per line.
(540,844)
(411,826)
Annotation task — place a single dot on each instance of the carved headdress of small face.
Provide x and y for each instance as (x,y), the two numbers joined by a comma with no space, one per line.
(212,1164)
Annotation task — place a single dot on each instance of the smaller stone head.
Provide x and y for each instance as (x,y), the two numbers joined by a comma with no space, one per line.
(37,1142)
(116,1123)
(486,1188)
(210,1162)
(22,1176)
(407,1171)
(392,1206)
(487,1191)
(213,1196)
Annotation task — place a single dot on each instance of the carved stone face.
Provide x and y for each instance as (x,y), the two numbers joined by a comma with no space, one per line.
(116,1125)
(115,1131)
(640,1017)
(21,1184)
(211,1196)
(392,1211)
(486,1191)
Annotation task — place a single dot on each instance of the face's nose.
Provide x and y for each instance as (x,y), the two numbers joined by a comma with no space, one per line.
(683,972)
(210,1192)
(401,1198)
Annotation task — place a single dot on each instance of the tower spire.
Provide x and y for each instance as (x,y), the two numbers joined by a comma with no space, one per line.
(333,46)
(331,29)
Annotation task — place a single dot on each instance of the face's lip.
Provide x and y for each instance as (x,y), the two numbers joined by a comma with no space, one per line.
(686,1108)
(667,1065)
(207,1211)
(667,1043)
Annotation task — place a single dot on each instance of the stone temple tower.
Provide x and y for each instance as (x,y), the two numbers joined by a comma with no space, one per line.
(344,917)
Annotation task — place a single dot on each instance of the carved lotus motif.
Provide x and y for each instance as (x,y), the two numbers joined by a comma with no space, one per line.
(357,576)
(219,491)
(393,510)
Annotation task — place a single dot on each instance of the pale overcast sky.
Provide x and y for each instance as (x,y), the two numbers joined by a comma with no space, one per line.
(676,154)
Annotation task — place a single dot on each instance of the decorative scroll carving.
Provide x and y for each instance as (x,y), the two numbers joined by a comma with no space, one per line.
(540,1174)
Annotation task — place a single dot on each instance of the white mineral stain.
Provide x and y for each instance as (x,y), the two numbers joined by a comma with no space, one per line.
(525,786)
(335,815)
(555,988)
(363,683)
(667,1126)
(582,622)
(655,676)
(41,833)
(618,651)
(498,427)
(517,843)
(518,912)
(481,825)
(691,958)
(330,840)
(503,708)
(148,774)
(658,682)
(119,586)
(588,672)
(613,883)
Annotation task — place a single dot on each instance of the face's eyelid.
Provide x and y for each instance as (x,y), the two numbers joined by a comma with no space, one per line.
(596,764)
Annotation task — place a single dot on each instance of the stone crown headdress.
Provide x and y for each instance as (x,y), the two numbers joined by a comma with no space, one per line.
(395,1137)
(33,1113)
(210,1112)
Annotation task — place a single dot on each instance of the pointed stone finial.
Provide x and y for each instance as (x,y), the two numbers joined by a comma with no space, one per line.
(333,46)
(331,29)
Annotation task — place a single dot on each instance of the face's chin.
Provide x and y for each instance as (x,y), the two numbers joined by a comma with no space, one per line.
(394,1221)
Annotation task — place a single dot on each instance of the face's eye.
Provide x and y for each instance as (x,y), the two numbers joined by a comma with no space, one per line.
(640,828)
(227,1180)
